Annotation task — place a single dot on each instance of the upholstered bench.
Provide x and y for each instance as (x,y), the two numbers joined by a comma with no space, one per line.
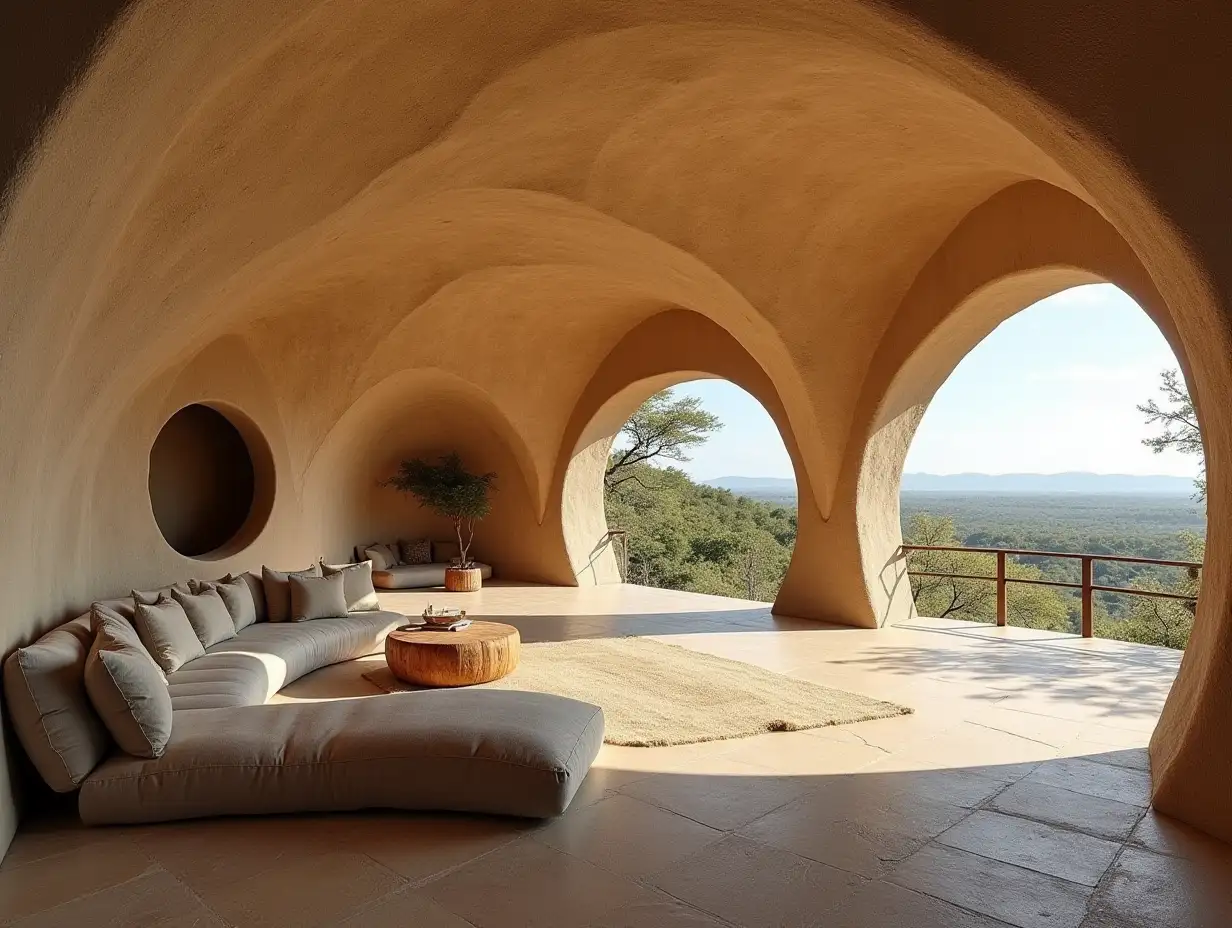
(231,751)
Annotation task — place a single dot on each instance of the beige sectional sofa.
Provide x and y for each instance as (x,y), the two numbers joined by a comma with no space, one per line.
(232,751)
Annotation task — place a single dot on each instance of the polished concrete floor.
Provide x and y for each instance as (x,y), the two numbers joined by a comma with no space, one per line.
(1016,794)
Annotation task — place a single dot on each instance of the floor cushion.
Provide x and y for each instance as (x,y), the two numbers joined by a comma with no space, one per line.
(509,752)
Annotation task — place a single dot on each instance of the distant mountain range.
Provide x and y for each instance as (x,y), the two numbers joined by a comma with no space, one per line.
(1075,482)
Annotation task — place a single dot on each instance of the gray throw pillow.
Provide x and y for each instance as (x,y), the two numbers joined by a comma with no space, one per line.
(356,585)
(418,551)
(278,592)
(236,594)
(256,586)
(380,556)
(317,598)
(167,634)
(150,597)
(208,615)
(126,687)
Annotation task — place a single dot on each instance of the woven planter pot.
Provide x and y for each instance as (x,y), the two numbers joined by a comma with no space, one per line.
(463,579)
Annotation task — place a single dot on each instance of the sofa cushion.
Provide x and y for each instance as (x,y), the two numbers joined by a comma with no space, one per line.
(357,585)
(278,590)
(317,598)
(207,614)
(382,557)
(150,597)
(417,576)
(167,634)
(254,665)
(417,551)
(44,690)
(256,586)
(504,752)
(126,687)
(236,596)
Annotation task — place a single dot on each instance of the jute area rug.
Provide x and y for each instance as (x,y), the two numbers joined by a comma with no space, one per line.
(654,694)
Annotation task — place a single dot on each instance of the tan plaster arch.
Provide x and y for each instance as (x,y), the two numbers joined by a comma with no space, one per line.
(1024,244)
(670,348)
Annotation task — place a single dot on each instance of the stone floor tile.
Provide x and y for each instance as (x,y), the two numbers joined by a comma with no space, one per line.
(722,801)
(665,913)
(758,886)
(627,836)
(886,905)
(1014,895)
(404,908)
(220,852)
(1106,781)
(956,787)
(1070,855)
(528,883)
(1104,818)
(51,881)
(309,891)
(419,847)
(55,834)
(1165,835)
(1148,890)
(797,753)
(855,824)
(1134,758)
(154,900)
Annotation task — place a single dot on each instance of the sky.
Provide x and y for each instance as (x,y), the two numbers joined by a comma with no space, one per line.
(1052,389)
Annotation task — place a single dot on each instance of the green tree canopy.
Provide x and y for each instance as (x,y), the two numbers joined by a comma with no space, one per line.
(663,428)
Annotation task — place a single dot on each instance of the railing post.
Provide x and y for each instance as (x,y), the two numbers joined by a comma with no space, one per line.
(1088,618)
(1001,588)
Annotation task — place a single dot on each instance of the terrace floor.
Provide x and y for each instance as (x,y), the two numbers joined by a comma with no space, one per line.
(1016,794)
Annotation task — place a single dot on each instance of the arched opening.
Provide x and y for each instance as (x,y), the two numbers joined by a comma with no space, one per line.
(1048,437)
(699,493)
(210,481)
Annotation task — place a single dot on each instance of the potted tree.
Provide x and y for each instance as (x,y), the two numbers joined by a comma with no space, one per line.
(450,490)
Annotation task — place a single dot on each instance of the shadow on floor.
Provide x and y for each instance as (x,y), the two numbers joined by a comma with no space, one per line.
(1064,843)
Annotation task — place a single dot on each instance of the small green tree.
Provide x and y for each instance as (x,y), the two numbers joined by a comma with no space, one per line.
(450,490)
(663,427)
(1180,424)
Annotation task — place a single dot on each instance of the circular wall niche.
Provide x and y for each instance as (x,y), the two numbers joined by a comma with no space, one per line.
(209,491)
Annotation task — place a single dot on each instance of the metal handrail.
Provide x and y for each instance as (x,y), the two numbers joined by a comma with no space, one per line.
(1087,586)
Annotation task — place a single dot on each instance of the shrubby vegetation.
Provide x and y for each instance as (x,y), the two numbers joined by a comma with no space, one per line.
(685,536)
(1143,619)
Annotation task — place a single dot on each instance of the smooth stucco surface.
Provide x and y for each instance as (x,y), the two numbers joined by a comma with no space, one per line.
(374,228)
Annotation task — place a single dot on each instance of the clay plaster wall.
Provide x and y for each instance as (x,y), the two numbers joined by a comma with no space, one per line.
(373,228)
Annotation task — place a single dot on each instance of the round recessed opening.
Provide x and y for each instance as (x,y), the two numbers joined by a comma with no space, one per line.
(207,487)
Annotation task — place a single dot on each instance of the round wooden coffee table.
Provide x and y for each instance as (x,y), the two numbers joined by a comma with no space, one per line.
(485,651)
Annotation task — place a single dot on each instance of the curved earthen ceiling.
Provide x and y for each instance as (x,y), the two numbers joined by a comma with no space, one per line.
(352,220)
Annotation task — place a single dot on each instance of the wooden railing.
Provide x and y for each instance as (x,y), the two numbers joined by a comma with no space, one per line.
(1087,586)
